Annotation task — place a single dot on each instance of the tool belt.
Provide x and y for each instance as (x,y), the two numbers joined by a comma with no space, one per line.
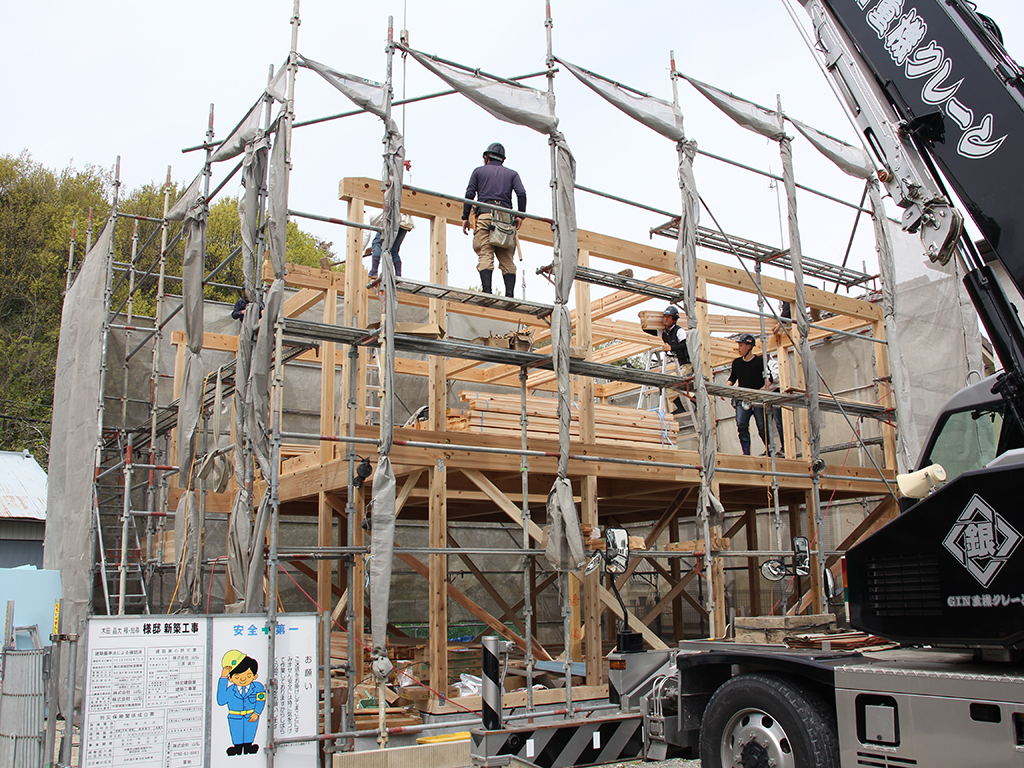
(502,229)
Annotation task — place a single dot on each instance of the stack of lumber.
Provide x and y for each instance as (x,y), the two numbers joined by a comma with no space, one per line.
(395,717)
(493,414)
(840,641)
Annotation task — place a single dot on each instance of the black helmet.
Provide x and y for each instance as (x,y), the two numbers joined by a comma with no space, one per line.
(496,151)
(747,338)
(671,310)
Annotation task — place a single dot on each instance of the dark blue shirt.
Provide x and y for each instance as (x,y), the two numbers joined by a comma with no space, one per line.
(494,182)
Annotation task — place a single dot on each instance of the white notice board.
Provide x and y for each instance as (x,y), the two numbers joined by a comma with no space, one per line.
(152,684)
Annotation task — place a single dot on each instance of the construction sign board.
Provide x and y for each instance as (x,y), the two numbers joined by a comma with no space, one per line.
(184,691)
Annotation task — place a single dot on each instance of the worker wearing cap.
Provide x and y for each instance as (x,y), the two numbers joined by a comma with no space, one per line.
(245,699)
(748,372)
(674,337)
(493,183)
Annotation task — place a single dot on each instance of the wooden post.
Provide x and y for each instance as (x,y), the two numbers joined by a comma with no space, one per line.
(717,574)
(788,414)
(591,613)
(355,303)
(809,507)
(888,399)
(801,384)
(753,572)
(437,645)
(676,570)
(325,512)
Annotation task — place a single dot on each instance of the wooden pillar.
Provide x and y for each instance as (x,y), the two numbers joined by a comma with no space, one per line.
(675,568)
(812,528)
(717,574)
(888,399)
(355,312)
(591,608)
(801,384)
(437,577)
(437,643)
(753,572)
(788,414)
(325,512)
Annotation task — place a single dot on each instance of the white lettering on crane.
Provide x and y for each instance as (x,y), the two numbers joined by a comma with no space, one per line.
(902,34)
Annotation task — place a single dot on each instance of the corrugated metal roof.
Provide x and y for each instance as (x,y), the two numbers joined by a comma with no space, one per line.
(22,486)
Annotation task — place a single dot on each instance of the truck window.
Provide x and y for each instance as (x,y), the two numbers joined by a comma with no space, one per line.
(968,440)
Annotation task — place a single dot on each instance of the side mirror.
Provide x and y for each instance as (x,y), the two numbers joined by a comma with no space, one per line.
(802,556)
(616,553)
(833,590)
(773,570)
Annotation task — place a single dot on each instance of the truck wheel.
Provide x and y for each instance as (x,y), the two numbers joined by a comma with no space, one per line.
(762,720)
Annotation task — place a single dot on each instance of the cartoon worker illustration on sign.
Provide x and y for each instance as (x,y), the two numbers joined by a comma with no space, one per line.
(244,698)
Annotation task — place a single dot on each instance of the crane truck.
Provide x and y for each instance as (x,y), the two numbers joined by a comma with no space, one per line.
(938,102)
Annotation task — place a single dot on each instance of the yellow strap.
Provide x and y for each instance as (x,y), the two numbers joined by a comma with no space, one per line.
(242,712)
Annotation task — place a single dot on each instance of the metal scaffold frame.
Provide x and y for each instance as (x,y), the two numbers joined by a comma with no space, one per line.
(441,478)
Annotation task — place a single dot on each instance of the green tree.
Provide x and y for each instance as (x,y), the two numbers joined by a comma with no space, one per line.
(37,209)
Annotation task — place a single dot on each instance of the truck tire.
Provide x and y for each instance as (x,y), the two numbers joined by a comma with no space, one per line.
(764,720)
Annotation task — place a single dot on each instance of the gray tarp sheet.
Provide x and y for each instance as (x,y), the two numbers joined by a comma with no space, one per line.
(241,136)
(856,162)
(505,100)
(746,113)
(240,522)
(666,119)
(258,404)
(68,546)
(373,98)
(522,105)
(801,316)
(254,171)
(768,124)
(191,208)
(852,160)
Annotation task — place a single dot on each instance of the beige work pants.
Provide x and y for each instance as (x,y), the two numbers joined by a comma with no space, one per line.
(486,252)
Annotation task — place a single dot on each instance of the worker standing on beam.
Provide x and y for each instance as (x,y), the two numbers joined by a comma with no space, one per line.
(495,231)
(674,337)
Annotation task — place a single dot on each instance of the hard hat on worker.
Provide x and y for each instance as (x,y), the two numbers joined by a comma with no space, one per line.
(495,151)
(671,310)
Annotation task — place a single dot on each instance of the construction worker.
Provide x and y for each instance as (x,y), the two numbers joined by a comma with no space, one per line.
(674,337)
(748,371)
(493,183)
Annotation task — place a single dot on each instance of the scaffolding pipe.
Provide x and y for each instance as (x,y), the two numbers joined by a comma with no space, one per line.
(122,568)
(524,470)
(100,407)
(785,321)
(71,257)
(477,203)
(769,175)
(141,250)
(332,220)
(350,516)
(400,102)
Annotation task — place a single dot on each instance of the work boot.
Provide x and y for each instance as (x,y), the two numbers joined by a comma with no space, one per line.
(510,284)
(678,407)
(485,280)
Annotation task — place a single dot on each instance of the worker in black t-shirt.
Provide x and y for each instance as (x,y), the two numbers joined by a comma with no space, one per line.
(748,371)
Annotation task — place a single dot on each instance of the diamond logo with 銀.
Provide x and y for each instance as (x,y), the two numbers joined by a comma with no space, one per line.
(981,540)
